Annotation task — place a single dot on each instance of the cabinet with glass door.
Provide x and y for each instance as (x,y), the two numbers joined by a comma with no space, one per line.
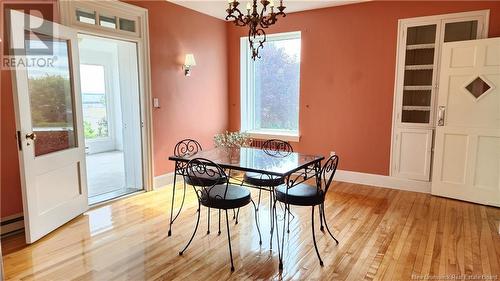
(419,45)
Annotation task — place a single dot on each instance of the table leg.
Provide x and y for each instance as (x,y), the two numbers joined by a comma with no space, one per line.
(317,169)
(172,204)
(271,217)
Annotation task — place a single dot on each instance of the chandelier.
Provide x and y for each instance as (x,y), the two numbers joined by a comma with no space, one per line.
(255,20)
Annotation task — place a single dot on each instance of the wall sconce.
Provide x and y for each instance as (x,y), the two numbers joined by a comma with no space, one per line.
(188,63)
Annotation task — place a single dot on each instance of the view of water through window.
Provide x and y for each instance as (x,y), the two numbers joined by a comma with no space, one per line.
(94,101)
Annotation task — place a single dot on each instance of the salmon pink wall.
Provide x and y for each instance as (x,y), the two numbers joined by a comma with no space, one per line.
(347,75)
(194,107)
(10,182)
(191,107)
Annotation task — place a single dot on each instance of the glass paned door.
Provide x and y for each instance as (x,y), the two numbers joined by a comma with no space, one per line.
(418,74)
(48,122)
(51,97)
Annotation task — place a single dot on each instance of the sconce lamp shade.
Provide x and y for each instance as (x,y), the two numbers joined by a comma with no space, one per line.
(189,61)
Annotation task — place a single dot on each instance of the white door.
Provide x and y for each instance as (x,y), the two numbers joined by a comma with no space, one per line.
(49,123)
(413,153)
(467,149)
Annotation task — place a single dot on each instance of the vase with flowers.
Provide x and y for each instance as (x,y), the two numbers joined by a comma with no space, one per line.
(231,142)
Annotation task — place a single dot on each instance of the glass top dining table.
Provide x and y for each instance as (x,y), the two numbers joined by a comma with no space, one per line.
(248,159)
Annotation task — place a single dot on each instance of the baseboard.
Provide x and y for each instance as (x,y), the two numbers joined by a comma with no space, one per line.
(383,181)
(345,176)
(163,180)
(11,223)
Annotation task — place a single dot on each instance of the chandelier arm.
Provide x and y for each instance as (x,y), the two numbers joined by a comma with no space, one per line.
(262,13)
(265,23)
(239,14)
(237,20)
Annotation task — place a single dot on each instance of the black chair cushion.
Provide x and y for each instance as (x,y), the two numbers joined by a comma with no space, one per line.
(236,197)
(205,179)
(301,194)
(262,179)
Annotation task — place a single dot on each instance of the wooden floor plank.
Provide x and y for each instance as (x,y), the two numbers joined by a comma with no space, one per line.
(384,234)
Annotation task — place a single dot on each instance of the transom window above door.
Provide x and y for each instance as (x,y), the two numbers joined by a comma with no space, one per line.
(103,20)
(270,87)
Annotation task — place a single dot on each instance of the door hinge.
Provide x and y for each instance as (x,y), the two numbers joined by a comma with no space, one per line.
(19,142)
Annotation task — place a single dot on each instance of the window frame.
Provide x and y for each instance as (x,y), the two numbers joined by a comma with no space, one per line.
(247,91)
(109,109)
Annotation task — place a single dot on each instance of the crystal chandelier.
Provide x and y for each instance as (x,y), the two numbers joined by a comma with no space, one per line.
(255,20)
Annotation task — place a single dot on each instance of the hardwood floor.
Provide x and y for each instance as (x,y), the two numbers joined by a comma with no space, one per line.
(384,234)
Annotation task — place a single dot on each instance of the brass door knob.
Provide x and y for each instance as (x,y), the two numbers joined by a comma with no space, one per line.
(31,136)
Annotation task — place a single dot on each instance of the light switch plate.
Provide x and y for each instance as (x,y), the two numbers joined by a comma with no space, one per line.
(156,103)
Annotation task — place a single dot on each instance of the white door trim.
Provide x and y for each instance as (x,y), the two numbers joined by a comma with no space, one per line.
(141,37)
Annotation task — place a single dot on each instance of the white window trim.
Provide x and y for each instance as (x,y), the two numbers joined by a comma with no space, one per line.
(274,134)
(246,99)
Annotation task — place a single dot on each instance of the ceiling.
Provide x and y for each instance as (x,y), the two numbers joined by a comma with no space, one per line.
(217,8)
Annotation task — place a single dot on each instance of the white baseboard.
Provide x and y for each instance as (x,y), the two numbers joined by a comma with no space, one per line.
(345,176)
(163,180)
(383,181)
(12,223)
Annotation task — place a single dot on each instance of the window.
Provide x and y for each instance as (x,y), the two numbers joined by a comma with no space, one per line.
(109,22)
(95,112)
(127,25)
(90,17)
(86,17)
(270,87)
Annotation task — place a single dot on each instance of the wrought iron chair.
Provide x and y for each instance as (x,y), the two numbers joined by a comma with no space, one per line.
(307,195)
(186,148)
(275,148)
(217,196)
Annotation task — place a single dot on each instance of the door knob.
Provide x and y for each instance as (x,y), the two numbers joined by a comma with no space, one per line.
(31,136)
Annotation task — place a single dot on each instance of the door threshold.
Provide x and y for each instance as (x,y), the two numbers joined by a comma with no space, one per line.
(108,197)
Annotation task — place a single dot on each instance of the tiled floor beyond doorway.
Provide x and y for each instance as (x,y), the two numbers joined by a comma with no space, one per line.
(105,172)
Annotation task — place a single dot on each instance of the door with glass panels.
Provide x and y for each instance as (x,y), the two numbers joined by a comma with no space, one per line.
(49,122)
(417,84)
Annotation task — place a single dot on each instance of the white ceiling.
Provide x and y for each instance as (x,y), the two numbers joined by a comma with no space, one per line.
(217,8)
